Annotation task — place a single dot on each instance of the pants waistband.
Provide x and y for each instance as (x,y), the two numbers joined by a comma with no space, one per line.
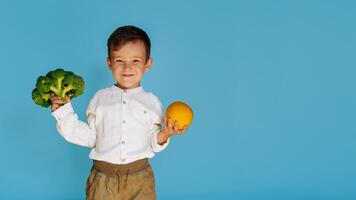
(112,169)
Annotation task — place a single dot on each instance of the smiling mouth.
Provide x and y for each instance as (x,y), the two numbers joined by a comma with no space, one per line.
(126,75)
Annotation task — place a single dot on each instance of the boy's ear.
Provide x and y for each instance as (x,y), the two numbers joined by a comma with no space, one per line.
(149,64)
(108,62)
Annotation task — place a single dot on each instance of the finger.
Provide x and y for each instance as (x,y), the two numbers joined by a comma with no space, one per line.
(178,132)
(169,124)
(67,98)
(55,98)
(182,131)
(166,122)
(185,128)
(54,107)
(57,101)
(176,128)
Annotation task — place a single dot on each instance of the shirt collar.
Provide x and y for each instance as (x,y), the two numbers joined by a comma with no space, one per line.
(129,91)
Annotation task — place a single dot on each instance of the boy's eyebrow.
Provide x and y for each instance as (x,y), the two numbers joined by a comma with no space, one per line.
(137,57)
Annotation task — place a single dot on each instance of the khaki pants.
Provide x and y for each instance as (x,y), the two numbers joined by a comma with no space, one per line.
(134,186)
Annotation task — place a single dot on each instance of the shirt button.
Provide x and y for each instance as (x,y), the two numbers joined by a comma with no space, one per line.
(123,160)
(123,142)
(123,121)
(124,102)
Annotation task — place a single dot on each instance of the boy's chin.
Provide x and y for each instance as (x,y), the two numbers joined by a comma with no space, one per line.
(127,86)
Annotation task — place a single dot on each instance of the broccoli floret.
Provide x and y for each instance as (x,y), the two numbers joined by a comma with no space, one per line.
(56,77)
(58,82)
(73,85)
(41,99)
(43,84)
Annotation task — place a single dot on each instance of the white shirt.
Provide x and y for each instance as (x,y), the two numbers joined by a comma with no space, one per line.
(122,125)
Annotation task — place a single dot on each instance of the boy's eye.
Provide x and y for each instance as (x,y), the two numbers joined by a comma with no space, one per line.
(136,61)
(119,61)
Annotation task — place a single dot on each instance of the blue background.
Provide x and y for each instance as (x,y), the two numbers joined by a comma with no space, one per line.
(272,84)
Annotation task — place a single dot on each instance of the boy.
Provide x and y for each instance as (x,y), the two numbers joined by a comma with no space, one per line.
(124,123)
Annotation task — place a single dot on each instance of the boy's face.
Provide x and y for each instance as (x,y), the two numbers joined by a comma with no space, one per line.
(128,64)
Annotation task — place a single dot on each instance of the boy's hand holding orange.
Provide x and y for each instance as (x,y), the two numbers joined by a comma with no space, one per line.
(178,117)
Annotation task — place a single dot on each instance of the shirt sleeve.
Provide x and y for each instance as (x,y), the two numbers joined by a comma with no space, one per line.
(74,130)
(155,129)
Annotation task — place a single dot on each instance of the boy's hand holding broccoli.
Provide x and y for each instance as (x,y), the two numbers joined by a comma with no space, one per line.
(57,102)
(57,88)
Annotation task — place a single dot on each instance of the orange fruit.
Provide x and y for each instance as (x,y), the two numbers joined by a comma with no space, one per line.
(181,112)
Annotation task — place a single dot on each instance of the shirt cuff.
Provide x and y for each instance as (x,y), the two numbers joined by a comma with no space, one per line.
(63,111)
(158,147)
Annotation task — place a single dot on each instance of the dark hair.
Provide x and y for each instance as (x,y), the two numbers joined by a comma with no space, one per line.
(125,34)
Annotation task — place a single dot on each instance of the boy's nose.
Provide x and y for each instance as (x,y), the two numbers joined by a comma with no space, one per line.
(126,66)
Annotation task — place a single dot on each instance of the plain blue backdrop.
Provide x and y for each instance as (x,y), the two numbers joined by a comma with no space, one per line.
(272,85)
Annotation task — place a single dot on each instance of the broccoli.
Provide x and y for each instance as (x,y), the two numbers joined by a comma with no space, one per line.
(57,82)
